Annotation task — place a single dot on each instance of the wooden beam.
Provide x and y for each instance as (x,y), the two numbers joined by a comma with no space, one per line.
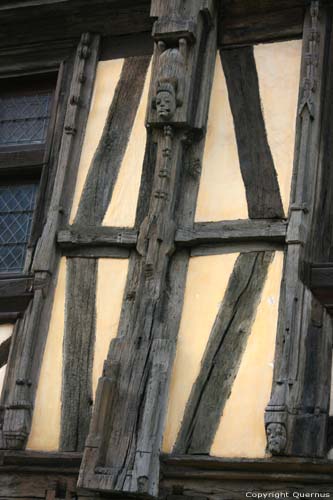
(98,236)
(257,26)
(255,157)
(223,354)
(31,332)
(105,166)
(79,337)
(232,231)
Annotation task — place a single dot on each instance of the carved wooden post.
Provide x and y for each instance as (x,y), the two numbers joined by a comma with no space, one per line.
(31,332)
(123,446)
(296,416)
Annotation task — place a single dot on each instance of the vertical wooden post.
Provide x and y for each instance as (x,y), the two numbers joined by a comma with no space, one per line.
(30,334)
(296,416)
(123,446)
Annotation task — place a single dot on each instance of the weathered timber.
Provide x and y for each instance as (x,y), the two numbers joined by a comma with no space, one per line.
(232,231)
(138,44)
(107,160)
(147,179)
(256,161)
(4,352)
(200,477)
(31,332)
(297,414)
(96,236)
(242,247)
(319,278)
(223,354)
(68,20)
(122,455)
(256,26)
(15,293)
(78,353)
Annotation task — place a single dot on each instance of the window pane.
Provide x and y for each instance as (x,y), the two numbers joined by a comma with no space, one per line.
(24,119)
(16,211)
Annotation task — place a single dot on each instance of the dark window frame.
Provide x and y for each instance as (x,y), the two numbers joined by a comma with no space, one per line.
(30,163)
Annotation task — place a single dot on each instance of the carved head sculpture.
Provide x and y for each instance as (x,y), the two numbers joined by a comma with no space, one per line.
(276,438)
(169,85)
(165,101)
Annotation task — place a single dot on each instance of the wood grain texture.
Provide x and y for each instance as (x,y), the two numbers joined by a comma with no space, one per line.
(107,160)
(29,337)
(122,455)
(232,232)
(299,403)
(223,354)
(78,353)
(256,161)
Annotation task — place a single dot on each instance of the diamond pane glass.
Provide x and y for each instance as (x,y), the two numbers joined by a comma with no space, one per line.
(16,210)
(24,119)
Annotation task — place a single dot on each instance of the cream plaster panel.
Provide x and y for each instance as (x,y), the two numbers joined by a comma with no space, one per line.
(278,67)
(206,283)
(221,193)
(5,332)
(111,280)
(107,76)
(122,209)
(45,431)
(241,432)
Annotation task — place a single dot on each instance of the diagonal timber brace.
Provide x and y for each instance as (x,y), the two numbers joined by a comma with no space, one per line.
(123,447)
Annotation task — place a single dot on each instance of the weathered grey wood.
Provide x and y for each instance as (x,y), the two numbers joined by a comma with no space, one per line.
(30,335)
(78,353)
(256,162)
(68,20)
(115,47)
(4,352)
(299,400)
(223,354)
(99,252)
(232,231)
(270,25)
(122,455)
(242,247)
(96,236)
(147,178)
(107,160)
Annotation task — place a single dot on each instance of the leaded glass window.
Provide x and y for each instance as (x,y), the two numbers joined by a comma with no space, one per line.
(16,211)
(24,119)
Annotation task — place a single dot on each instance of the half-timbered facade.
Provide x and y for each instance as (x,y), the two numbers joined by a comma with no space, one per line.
(166,265)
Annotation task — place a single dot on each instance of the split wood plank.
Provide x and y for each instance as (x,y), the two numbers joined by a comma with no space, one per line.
(223,354)
(108,157)
(256,161)
(78,353)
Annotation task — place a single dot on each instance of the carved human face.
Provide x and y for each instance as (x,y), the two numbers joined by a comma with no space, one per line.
(277,438)
(165,104)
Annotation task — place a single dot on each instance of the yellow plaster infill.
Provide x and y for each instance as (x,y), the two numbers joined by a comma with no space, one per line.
(278,67)
(107,76)
(206,283)
(111,280)
(122,208)
(45,431)
(221,192)
(5,332)
(241,431)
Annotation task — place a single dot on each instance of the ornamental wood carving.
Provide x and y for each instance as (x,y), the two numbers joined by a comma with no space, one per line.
(296,416)
(123,447)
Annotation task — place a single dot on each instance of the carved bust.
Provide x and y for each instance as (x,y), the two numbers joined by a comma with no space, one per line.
(169,85)
(276,438)
(165,101)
